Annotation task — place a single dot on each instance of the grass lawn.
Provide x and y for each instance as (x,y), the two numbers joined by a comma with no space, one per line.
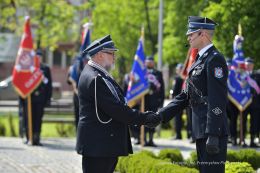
(10,124)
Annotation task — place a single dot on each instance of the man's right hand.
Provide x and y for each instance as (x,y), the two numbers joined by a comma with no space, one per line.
(212,145)
(152,119)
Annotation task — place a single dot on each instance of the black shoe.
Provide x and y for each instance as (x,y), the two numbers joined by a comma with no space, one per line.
(192,141)
(177,138)
(234,141)
(37,143)
(137,142)
(152,144)
(254,145)
(26,141)
(146,144)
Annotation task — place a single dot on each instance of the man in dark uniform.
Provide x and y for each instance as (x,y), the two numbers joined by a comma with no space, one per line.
(176,89)
(135,129)
(41,97)
(254,108)
(232,113)
(155,98)
(73,79)
(206,91)
(103,134)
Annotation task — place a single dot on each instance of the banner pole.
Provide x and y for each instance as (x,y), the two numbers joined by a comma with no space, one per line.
(30,132)
(142,126)
(241,127)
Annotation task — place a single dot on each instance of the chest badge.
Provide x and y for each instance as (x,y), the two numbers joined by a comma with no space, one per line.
(218,72)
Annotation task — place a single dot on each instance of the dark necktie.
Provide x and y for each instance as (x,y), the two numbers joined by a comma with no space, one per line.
(197,57)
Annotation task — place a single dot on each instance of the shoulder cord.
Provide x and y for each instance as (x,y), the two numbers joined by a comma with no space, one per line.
(103,122)
(197,91)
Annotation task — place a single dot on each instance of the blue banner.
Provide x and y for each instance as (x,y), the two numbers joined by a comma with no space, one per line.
(138,84)
(238,87)
(78,63)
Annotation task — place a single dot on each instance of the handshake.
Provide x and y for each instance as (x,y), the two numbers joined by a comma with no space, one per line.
(152,119)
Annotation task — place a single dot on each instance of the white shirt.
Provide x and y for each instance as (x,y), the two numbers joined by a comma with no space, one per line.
(203,50)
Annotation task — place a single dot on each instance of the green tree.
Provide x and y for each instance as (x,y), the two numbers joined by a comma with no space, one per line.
(175,22)
(53,21)
(228,13)
(123,21)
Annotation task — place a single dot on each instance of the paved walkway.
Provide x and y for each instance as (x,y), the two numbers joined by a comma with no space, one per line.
(57,155)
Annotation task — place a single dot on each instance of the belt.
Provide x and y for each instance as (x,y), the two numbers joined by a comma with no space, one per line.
(199,101)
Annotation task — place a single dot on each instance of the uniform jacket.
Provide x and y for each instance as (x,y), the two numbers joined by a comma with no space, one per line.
(42,94)
(177,87)
(256,97)
(155,98)
(206,93)
(97,139)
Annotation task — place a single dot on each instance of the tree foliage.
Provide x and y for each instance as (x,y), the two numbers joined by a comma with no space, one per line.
(123,21)
(52,21)
(59,21)
(229,13)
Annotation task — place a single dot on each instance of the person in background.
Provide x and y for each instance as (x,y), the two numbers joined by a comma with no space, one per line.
(176,89)
(135,129)
(232,113)
(41,98)
(155,98)
(73,79)
(254,108)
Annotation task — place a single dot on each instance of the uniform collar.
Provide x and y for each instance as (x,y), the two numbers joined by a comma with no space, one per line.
(203,50)
(99,67)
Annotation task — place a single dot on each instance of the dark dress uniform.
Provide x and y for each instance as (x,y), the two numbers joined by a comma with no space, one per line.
(154,99)
(177,88)
(135,129)
(73,78)
(207,95)
(103,132)
(40,98)
(254,111)
(232,113)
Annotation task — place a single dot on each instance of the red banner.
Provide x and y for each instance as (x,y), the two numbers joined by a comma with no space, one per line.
(192,53)
(26,73)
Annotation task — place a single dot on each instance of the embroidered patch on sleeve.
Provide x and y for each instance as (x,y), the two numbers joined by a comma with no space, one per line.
(217,111)
(218,72)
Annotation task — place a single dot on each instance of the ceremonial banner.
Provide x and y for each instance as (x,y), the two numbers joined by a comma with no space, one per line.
(238,86)
(85,41)
(191,57)
(138,85)
(26,73)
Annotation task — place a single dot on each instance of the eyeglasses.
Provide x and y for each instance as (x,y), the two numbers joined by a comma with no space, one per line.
(110,53)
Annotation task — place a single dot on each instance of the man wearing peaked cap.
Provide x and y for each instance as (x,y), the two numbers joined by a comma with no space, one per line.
(102,134)
(197,23)
(104,43)
(253,109)
(206,93)
(155,98)
(41,98)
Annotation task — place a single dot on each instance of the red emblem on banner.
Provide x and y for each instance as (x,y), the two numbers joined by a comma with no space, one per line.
(26,73)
